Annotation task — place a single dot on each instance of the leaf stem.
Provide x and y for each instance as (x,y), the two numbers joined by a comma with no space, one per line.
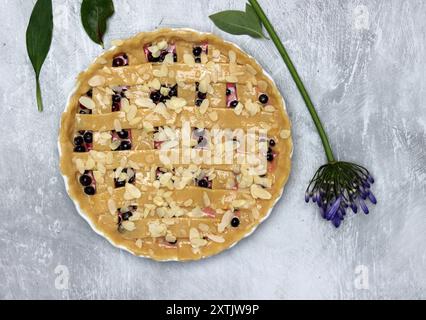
(39,98)
(296,78)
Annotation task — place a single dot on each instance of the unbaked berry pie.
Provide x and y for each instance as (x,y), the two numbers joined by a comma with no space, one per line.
(175,144)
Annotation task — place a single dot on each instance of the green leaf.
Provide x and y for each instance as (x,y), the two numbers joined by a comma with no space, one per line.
(39,38)
(94,16)
(252,14)
(239,22)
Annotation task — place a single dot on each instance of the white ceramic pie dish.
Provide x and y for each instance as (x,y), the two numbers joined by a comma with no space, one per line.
(104,235)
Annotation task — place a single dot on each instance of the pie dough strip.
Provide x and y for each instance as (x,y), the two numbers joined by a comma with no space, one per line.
(168,73)
(144,158)
(105,122)
(178,227)
(222,197)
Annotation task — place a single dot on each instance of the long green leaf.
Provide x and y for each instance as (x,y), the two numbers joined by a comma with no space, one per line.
(94,16)
(238,23)
(39,39)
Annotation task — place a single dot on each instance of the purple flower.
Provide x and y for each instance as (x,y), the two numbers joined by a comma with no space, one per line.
(339,186)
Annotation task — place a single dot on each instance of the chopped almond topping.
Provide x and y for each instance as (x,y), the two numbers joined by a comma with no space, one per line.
(215,238)
(128,225)
(188,59)
(259,193)
(87,102)
(232,56)
(204,106)
(285,134)
(96,81)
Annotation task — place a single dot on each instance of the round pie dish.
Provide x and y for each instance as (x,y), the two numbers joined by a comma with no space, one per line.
(175,144)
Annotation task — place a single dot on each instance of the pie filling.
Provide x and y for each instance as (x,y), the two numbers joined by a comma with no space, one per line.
(167,95)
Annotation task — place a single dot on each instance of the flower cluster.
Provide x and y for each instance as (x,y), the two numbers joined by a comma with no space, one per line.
(338,186)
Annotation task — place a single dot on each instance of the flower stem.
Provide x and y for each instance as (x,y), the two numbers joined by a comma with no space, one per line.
(296,78)
(39,98)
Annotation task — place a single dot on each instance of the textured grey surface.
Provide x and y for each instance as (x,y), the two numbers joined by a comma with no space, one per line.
(364,65)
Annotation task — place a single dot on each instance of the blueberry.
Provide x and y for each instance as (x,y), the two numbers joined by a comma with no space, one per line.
(198,102)
(269,150)
(174,57)
(116,106)
(125,145)
(155,96)
(201,95)
(116,98)
(89,190)
(78,140)
(197,51)
(272,143)
(163,98)
(152,59)
(203,183)
(163,55)
(85,180)
(123,134)
(197,60)
(235,222)
(126,215)
(234,104)
(88,137)
(119,184)
(173,91)
(228,92)
(79,149)
(263,98)
(81,131)
(118,62)
(269,156)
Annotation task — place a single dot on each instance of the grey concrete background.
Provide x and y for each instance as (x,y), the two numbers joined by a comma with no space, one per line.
(364,65)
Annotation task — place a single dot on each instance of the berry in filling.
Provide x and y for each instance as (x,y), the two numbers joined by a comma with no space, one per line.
(129,177)
(119,93)
(231,95)
(79,149)
(160,55)
(82,109)
(165,93)
(263,98)
(199,96)
(125,138)
(200,136)
(83,141)
(120,60)
(87,180)
(78,140)
(233,104)
(198,50)
(125,145)
(90,191)
(124,214)
(204,182)
(88,137)
(235,222)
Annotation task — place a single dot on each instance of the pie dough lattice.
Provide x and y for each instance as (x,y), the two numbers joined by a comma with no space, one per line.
(130,106)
